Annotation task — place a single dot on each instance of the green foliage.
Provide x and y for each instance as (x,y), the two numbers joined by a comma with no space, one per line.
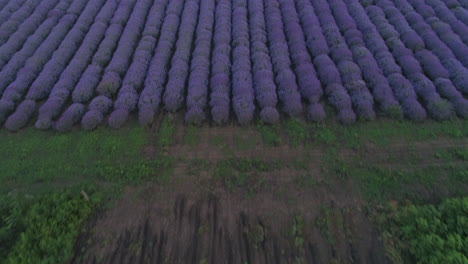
(237,172)
(32,157)
(245,142)
(297,231)
(324,223)
(192,135)
(270,134)
(297,131)
(166,132)
(429,234)
(44,229)
(324,135)
(379,183)
(456,153)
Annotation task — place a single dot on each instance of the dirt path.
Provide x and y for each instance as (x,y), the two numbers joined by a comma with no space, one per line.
(295,213)
(312,227)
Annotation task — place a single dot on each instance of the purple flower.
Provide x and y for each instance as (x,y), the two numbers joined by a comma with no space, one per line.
(92,119)
(288,92)
(21,116)
(156,77)
(70,117)
(84,90)
(118,117)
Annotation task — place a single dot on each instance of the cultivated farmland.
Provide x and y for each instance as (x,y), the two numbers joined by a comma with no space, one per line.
(233,131)
(92,63)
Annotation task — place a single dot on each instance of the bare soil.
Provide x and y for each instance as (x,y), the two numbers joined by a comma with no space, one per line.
(272,219)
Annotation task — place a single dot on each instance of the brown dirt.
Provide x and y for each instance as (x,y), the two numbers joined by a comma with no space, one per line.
(196,219)
(226,227)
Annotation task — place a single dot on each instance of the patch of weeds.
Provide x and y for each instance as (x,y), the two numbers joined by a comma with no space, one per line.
(256,235)
(335,165)
(324,224)
(297,132)
(456,153)
(324,135)
(306,180)
(192,135)
(166,132)
(385,131)
(32,157)
(300,164)
(196,166)
(239,172)
(379,184)
(44,228)
(270,134)
(245,142)
(217,140)
(426,233)
(164,166)
(297,231)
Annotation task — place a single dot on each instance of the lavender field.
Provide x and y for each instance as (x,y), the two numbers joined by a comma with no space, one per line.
(92,63)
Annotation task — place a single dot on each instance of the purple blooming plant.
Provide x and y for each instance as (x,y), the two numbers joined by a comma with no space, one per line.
(50,109)
(118,65)
(445,88)
(84,90)
(360,96)
(461,14)
(54,67)
(15,20)
(28,27)
(40,39)
(447,35)
(437,107)
(127,98)
(401,87)
(242,82)
(15,91)
(150,96)
(431,39)
(98,107)
(20,117)
(11,7)
(197,92)
(288,92)
(262,69)
(72,73)
(309,85)
(175,89)
(70,117)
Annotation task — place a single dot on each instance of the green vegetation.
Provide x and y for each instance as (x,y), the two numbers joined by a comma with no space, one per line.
(297,231)
(270,134)
(42,209)
(44,228)
(42,173)
(428,234)
(192,135)
(297,131)
(324,223)
(166,132)
(31,157)
(245,141)
(238,172)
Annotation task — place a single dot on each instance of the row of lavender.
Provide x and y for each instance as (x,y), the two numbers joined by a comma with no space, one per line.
(65,62)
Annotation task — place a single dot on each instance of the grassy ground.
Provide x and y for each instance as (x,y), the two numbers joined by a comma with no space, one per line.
(388,161)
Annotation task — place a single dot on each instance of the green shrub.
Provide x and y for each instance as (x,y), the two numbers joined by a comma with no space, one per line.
(430,234)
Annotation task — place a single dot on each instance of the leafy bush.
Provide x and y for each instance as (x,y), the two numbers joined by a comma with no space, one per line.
(44,230)
(433,234)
